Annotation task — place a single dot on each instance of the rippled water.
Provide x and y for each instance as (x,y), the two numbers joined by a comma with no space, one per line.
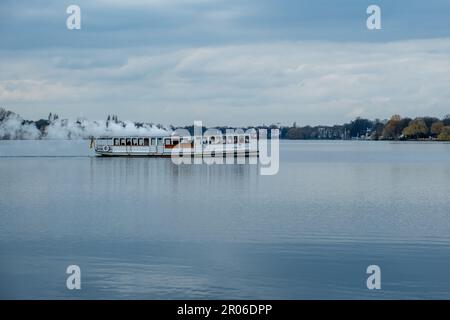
(146,228)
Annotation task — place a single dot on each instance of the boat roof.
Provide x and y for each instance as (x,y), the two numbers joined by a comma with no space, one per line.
(130,136)
(167,136)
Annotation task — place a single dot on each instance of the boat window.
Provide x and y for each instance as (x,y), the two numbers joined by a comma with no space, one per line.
(235,139)
(116,142)
(175,141)
(146,141)
(241,139)
(212,140)
(167,142)
(247,139)
(128,142)
(153,141)
(140,142)
(135,141)
(160,141)
(122,142)
(230,139)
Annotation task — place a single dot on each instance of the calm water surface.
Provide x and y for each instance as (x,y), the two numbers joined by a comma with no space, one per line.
(146,228)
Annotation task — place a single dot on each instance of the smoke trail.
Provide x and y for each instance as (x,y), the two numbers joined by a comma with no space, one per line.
(12,126)
(83,129)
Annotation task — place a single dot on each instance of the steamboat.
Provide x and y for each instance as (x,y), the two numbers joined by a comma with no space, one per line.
(165,146)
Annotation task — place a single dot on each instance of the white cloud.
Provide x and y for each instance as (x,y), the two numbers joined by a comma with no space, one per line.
(32,90)
(307,82)
(155,3)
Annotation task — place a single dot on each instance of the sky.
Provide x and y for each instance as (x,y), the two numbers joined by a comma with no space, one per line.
(225,62)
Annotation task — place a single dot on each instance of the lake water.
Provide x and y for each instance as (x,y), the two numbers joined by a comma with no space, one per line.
(146,228)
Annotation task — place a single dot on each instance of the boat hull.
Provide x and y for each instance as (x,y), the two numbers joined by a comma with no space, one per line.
(168,155)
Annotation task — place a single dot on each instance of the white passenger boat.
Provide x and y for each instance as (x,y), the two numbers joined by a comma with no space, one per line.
(164,146)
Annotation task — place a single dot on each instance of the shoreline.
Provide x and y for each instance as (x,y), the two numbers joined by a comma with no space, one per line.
(281,139)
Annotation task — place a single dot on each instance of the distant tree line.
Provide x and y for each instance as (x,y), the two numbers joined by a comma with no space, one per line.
(421,128)
(396,128)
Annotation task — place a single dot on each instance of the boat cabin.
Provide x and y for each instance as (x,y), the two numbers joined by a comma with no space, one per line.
(163,145)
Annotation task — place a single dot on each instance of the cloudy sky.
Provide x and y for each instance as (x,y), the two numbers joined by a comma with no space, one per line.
(226,62)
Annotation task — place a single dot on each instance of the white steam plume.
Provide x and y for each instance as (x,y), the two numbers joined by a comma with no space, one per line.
(83,129)
(12,126)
